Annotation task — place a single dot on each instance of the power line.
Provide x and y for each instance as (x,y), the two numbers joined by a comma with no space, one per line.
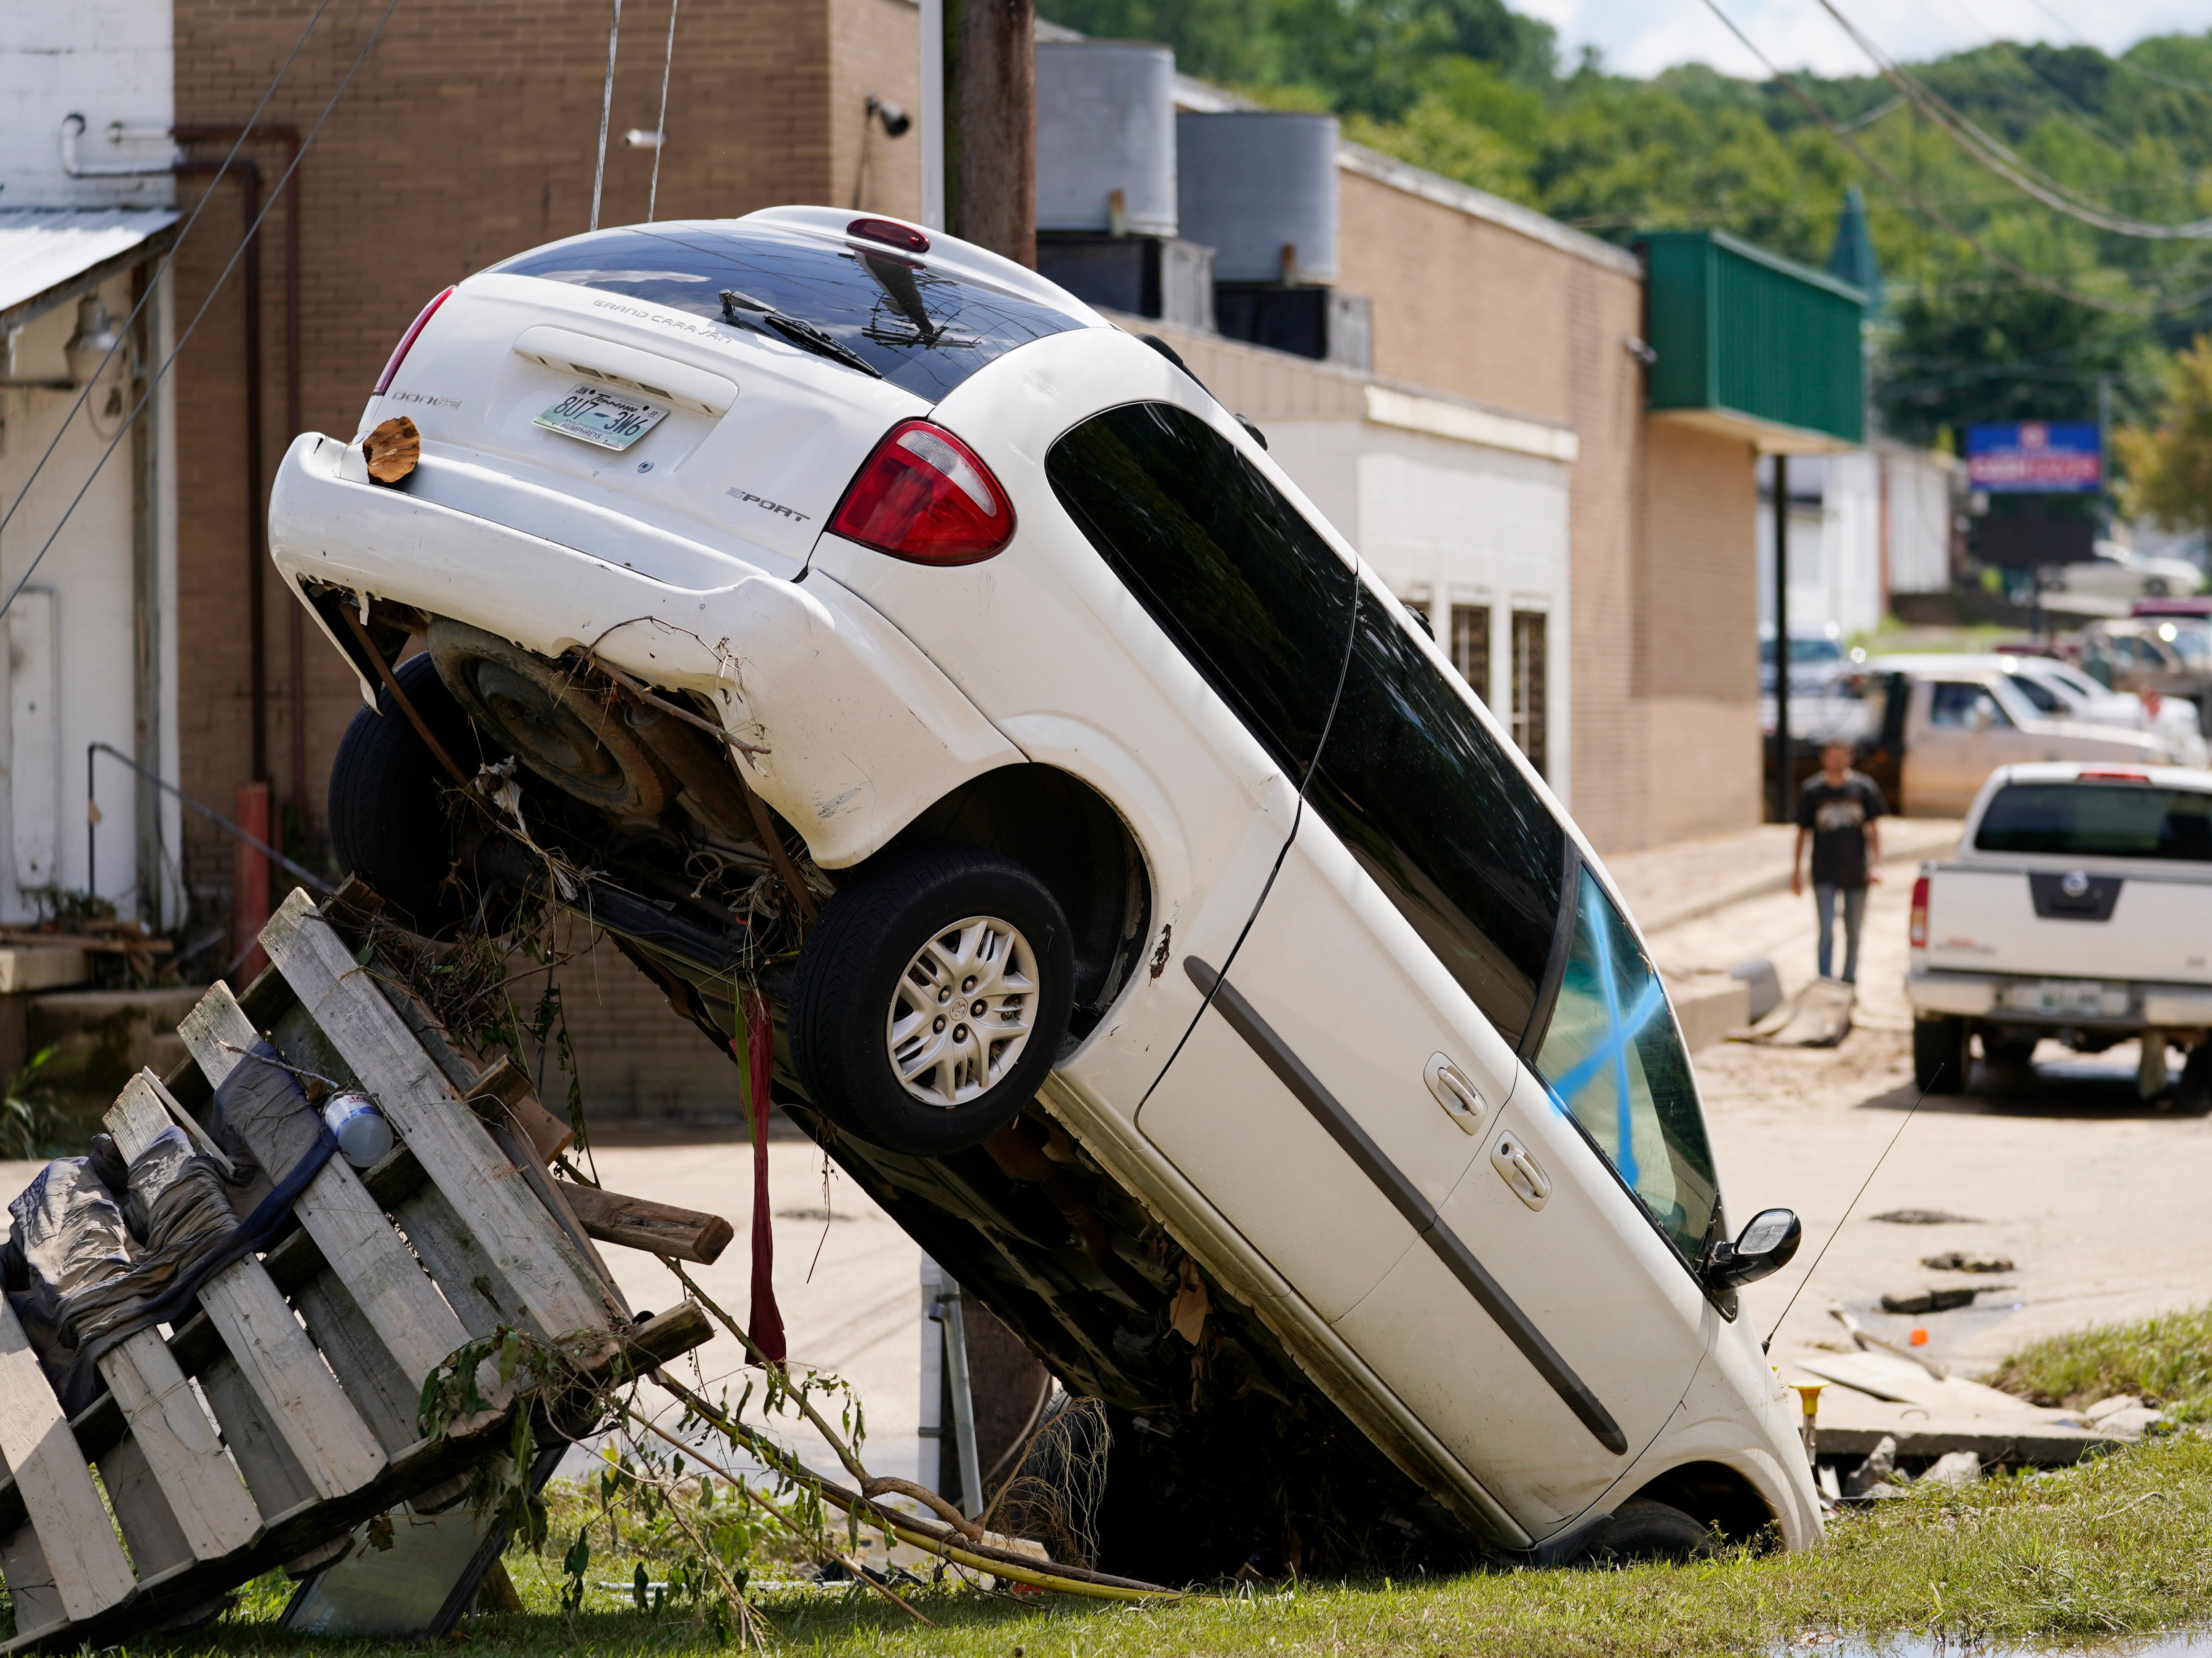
(167,363)
(660,124)
(2035,279)
(606,110)
(168,259)
(2053,193)
(2179,83)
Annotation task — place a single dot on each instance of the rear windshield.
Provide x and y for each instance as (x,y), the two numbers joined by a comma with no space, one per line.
(2099,820)
(919,328)
(1410,779)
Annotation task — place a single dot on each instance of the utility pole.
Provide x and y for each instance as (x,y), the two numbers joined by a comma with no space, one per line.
(990,124)
(1783,802)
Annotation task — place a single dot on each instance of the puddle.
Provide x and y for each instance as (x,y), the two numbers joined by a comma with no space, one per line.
(2175,1643)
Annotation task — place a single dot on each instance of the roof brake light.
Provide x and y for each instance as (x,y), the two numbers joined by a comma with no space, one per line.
(890,233)
(2111,777)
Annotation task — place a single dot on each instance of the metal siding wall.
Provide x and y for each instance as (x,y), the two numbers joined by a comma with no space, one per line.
(1733,332)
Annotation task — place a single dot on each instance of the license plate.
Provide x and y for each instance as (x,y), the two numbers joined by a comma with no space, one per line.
(2077,996)
(612,420)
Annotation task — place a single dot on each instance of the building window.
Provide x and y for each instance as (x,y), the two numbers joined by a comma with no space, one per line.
(1470,645)
(1528,686)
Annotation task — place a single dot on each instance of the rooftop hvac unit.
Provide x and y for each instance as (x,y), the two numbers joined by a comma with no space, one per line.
(1259,187)
(1105,137)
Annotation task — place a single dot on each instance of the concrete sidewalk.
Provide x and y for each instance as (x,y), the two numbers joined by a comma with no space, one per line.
(1666,886)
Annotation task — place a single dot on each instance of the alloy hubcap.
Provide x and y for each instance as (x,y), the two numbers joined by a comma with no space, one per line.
(947,1054)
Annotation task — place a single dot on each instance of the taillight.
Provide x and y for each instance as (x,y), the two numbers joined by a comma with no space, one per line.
(924,496)
(1919,932)
(407,343)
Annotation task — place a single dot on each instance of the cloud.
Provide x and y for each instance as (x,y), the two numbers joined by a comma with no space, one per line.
(1636,37)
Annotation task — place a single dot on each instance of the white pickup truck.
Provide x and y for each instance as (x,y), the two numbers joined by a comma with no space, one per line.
(2078,907)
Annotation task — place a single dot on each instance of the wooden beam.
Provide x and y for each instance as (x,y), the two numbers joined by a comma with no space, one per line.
(325,1433)
(659,1229)
(505,1090)
(382,1277)
(546,1268)
(74,1541)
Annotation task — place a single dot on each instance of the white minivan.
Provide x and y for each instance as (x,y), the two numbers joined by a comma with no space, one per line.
(1144,901)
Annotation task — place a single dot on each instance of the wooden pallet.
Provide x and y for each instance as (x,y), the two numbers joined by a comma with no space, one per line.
(263,1429)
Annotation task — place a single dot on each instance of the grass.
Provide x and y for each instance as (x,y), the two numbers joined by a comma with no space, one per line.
(2119,1546)
(2165,1361)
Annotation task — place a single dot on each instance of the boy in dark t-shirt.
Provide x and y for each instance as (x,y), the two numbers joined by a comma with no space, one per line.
(1837,813)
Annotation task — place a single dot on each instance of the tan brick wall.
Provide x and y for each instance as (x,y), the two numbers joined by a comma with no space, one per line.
(1696,666)
(1470,307)
(467,136)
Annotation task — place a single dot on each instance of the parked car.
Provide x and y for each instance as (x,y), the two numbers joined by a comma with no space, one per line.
(2061,691)
(1813,658)
(2077,908)
(1157,853)
(2164,656)
(1953,720)
(2118,571)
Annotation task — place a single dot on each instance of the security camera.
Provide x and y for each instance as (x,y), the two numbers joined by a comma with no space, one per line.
(895,118)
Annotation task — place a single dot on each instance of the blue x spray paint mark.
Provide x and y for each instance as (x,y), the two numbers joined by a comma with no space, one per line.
(1620,1031)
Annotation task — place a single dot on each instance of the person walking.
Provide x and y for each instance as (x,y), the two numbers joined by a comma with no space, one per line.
(1837,813)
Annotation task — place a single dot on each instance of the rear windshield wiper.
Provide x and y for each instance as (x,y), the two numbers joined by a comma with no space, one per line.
(802,334)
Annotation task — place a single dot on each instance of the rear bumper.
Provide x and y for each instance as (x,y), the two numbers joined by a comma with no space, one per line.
(861,730)
(2015,1000)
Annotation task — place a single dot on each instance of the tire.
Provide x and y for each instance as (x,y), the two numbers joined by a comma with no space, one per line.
(387,819)
(916,915)
(1940,1057)
(1645,1529)
(2192,1092)
(2156,587)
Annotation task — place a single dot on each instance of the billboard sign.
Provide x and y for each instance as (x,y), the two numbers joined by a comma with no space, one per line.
(2036,457)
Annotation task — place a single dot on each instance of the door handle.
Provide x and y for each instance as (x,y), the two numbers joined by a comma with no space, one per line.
(1461,1100)
(1520,1171)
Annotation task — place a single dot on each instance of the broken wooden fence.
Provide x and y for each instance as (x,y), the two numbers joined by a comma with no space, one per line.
(267,1424)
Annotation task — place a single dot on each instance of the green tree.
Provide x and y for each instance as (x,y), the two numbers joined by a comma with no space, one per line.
(2168,467)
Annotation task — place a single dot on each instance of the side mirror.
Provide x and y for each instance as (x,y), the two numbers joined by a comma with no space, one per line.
(1762,1248)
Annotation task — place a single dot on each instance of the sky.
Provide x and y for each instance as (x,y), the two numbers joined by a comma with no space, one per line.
(1638,37)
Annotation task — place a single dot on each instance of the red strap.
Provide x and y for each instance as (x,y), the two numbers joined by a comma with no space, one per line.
(766,1324)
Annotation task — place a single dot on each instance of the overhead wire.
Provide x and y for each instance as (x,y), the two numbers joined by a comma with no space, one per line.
(661,122)
(154,386)
(2000,159)
(2180,83)
(606,111)
(2034,278)
(168,259)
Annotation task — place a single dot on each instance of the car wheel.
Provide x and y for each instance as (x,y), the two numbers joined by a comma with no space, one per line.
(2192,1093)
(387,820)
(931,998)
(2156,587)
(1939,1058)
(1643,1528)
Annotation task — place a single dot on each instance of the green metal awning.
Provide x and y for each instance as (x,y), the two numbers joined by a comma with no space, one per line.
(1752,344)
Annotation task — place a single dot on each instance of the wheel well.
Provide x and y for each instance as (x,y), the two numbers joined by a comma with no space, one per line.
(1063,831)
(1714,1494)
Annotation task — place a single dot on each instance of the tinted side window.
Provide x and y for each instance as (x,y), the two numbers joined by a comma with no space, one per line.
(1411,781)
(1241,582)
(1439,816)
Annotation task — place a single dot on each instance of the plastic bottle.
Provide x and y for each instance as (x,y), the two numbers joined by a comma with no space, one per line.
(364,1136)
